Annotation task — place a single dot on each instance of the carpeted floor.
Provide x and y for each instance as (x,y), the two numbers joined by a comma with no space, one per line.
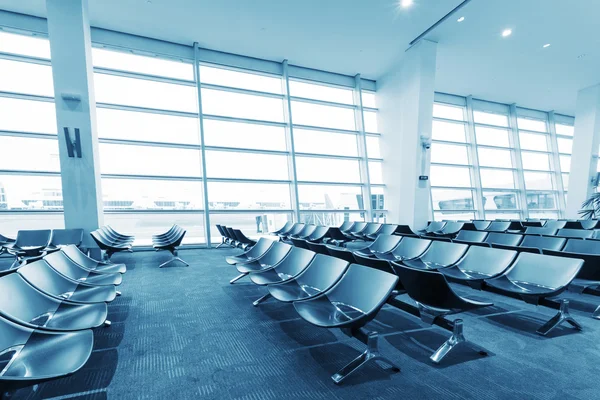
(186,333)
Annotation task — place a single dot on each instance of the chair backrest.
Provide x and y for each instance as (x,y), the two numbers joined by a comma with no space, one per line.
(498,226)
(336,234)
(444,253)
(508,239)
(468,226)
(555,224)
(341,253)
(385,243)
(387,229)
(346,226)
(301,243)
(543,242)
(543,270)
(319,233)
(363,288)
(220,229)
(296,229)
(376,263)
(428,287)
(231,233)
(371,229)
(534,230)
(276,253)
(323,272)
(80,258)
(318,248)
(306,231)
(471,236)
(43,277)
(532,223)
(67,236)
(241,237)
(575,233)
(284,228)
(404,230)
(65,266)
(573,224)
(177,238)
(435,226)
(486,260)
(357,227)
(481,224)
(36,238)
(582,246)
(590,223)
(297,261)
(452,227)
(12,334)
(20,301)
(411,247)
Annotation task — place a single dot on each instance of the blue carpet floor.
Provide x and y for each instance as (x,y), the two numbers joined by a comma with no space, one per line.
(186,333)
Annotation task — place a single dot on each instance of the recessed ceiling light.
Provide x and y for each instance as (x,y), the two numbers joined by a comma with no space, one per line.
(406,3)
(461,19)
(506,32)
(546,45)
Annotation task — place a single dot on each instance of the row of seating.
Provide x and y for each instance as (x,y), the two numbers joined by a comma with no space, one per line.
(170,241)
(111,241)
(335,287)
(48,308)
(234,238)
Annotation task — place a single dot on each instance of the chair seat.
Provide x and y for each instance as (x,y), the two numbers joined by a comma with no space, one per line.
(520,288)
(110,269)
(269,277)
(241,259)
(291,291)
(322,312)
(459,274)
(74,317)
(418,264)
(254,266)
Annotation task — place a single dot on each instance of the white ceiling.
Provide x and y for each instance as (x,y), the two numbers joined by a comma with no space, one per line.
(369,36)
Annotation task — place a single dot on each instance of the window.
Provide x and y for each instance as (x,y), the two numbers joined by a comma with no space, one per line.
(14,116)
(531,124)
(449,154)
(535,161)
(248,196)
(244,135)
(373,147)
(317,197)
(567,130)
(321,92)
(538,181)
(142,64)
(444,199)
(448,131)
(481,117)
(448,112)
(565,145)
(236,165)
(24,45)
(532,141)
(317,169)
(26,78)
(242,80)
(496,200)
(497,179)
(323,116)
(321,142)
(492,136)
(240,105)
(450,176)
(151,194)
(494,158)
(371,125)
(368,99)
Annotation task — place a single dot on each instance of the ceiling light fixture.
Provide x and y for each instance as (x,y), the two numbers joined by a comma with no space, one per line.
(406,3)
(506,32)
(461,19)
(546,45)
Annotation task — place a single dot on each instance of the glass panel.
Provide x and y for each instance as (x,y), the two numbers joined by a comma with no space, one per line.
(27,192)
(564,129)
(125,159)
(494,158)
(565,145)
(130,224)
(238,105)
(248,196)
(229,164)
(449,154)
(545,201)
(453,216)
(373,147)
(243,80)
(317,197)
(371,121)
(24,45)
(543,215)
(253,224)
(151,194)
(490,118)
(448,131)
(492,136)
(445,199)
(501,215)
(538,180)
(14,222)
(244,135)
(495,178)
(537,161)
(565,163)
(15,115)
(448,112)
(531,141)
(369,99)
(26,78)
(143,64)
(29,154)
(532,124)
(143,93)
(140,126)
(321,92)
(315,169)
(330,218)
(450,176)
(324,116)
(320,142)
(375,173)
(499,200)
(565,181)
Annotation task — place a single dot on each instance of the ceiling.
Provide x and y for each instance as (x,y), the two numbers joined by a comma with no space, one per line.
(370,36)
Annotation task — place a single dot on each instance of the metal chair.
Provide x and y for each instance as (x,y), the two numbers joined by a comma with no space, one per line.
(296,229)
(546,231)
(70,269)
(268,260)
(507,239)
(301,243)
(372,229)
(320,233)
(171,244)
(46,279)
(451,229)
(573,224)
(438,255)
(29,244)
(109,247)
(543,243)
(481,224)
(383,244)
(262,246)
(535,277)
(30,356)
(386,229)
(376,263)
(480,263)
(319,248)
(341,253)
(345,307)
(575,233)
(288,225)
(470,236)
(590,223)
(553,224)
(305,232)
(432,227)
(243,240)
(408,249)
(346,226)
(89,263)
(65,237)
(498,226)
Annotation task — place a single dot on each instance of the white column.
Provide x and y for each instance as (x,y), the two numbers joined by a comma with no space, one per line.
(585,147)
(405,98)
(71,49)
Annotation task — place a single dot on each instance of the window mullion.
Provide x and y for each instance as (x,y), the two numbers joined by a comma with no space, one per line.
(475,175)
(517,160)
(289,137)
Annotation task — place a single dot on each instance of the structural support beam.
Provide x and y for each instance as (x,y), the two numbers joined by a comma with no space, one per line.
(405,97)
(72,71)
(585,147)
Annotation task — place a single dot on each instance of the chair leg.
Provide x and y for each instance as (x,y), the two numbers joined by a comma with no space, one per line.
(563,315)
(237,278)
(15,263)
(264,298)
(370,354)
(596,314)
(457,339)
